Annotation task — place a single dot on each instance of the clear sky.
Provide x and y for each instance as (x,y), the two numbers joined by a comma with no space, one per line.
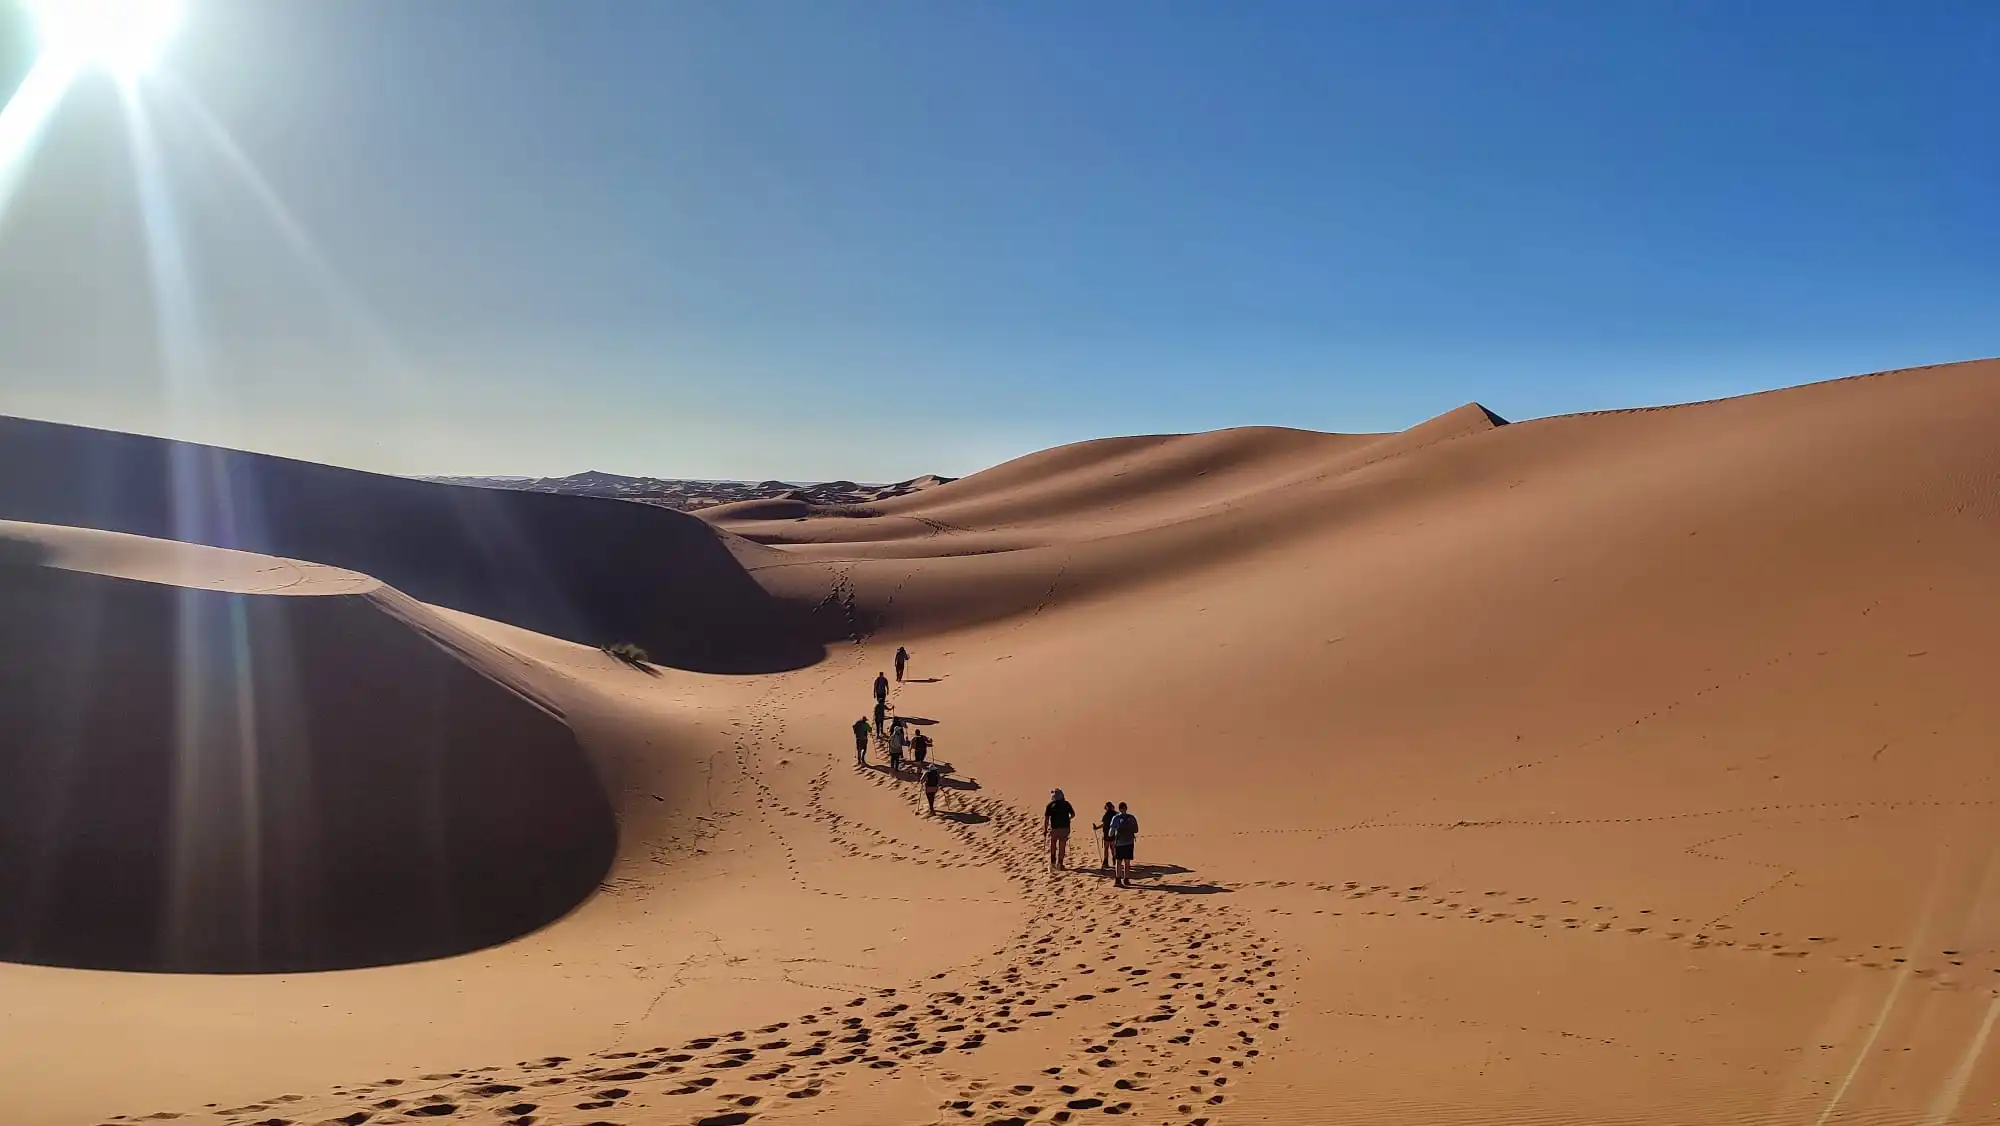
(880,238)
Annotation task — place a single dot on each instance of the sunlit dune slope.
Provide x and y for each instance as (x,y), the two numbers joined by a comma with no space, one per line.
(217,761)
(587,569)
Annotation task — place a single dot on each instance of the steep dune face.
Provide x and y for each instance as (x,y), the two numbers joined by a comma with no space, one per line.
(198,778)
(591,570)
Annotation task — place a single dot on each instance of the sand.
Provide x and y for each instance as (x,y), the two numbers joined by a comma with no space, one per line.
(1626,767)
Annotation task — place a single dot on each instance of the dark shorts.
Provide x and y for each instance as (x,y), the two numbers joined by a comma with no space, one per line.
(1121,851)
(1059,832)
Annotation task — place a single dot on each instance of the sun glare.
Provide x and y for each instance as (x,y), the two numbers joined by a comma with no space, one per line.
(124,37)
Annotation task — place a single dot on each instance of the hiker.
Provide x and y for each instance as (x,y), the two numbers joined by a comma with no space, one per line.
(920,748)
(861,730)
(1055,827)
(896,745)
(1103,828)
(902,662)
(1124,835)
(881,689)
(933,778)
(882,721)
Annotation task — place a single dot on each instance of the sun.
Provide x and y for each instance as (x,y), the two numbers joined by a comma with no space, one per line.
(124,37)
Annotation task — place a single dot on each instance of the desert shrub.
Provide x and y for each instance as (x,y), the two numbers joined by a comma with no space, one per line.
(629,653)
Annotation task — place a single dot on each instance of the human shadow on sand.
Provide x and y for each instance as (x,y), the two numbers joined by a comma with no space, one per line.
(1151,873)
(964,816)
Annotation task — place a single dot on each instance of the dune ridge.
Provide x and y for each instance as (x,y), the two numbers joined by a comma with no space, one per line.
(587,569)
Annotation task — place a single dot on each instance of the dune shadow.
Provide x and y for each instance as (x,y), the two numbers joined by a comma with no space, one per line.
(197,781)
(23,553)
(585,569)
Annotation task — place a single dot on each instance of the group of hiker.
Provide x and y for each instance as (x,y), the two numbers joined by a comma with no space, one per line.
(893,733)
(1117,829)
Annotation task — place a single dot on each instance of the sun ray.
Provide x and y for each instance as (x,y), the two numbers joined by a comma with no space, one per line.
(26,116)
(351,309)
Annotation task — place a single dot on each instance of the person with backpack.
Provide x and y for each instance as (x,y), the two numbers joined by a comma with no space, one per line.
(1105,837)
(861,730)
(902,662)
(896,746)
(933,780)
(920,748)
(1124,837)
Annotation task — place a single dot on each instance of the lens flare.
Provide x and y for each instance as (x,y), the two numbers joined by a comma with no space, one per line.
(24,118)
(124,37)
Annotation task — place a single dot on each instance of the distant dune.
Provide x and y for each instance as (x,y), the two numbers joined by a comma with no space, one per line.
(686,496)
(1629,767)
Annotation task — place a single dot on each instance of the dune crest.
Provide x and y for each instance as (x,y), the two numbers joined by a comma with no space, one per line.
(587,569)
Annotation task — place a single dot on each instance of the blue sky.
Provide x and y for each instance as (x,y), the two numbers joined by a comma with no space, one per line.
(875,239)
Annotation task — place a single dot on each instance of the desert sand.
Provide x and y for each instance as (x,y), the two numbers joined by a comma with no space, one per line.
(1631,767)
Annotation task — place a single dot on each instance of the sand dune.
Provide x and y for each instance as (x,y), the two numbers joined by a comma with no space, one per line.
(220,762)
(587,569)
(1629,767)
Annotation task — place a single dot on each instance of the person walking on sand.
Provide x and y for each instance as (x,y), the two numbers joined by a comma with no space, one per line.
(861,730)
(902,662)
(881,688)
(882,720)
(933,778)
(920,748)
(1124,836)
(1103,828)
(896,745)
(1055,827)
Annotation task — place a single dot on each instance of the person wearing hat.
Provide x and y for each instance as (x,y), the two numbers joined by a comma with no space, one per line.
(1055,827)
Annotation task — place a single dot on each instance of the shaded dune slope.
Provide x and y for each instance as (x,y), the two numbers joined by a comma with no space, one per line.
(585,569)
(272,767)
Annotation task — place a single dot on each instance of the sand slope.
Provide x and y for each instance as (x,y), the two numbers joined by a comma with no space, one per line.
(1633,767)
(276,769)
